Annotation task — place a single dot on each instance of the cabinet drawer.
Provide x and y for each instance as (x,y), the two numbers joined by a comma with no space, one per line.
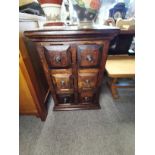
(86,97)
(65,98)
(89,55)
(62,80)
(87,79)
(58,56)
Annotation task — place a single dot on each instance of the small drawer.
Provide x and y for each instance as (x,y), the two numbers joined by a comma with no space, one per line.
(65,98)
(62,80)
(87,79)
(89,55)
(86,97)
(58,56)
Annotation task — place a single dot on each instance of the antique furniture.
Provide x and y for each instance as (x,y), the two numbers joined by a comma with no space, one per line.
(120,67)
(33,87)
(74,61)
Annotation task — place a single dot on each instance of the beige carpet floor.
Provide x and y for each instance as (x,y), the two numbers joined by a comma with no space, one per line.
(108,131)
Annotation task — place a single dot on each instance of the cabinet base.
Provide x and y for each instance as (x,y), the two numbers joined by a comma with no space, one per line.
(76,107)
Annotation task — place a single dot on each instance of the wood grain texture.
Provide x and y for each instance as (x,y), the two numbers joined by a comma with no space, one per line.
(26,101)
(28,71)
(76,86)
(120,66)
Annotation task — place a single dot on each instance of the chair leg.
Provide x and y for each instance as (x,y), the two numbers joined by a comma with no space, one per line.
(113,88)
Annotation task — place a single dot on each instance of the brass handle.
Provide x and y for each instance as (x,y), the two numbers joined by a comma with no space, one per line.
(89,58)
(58,59)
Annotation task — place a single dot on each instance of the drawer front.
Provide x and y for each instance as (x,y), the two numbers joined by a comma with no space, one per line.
(63,81)
(86,97)
(65,98)
(89,55)
(87,79)
(58,56)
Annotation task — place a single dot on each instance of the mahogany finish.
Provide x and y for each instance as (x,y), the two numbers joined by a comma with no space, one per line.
(74,61)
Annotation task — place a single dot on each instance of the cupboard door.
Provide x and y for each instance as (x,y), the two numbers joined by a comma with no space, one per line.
(58,56)
(87,79)
(89,55)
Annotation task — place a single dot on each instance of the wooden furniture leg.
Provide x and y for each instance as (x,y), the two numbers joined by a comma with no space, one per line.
(113,88)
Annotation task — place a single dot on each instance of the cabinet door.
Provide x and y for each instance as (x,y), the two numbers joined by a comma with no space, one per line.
(87,79)
(62,80)
(58,56)
(89,55)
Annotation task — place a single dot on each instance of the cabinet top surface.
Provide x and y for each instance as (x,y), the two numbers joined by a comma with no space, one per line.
(74,28)
(72,31)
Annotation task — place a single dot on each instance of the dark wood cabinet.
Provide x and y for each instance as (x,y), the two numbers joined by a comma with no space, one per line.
(73,61)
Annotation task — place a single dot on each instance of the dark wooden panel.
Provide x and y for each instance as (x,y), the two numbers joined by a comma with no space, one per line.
(65,98)
(87,79)
(89,55)
(38,69)
(86,97)
(58,56)
(37,84)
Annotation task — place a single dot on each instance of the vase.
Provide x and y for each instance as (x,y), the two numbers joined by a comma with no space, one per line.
(52,9)
(86,11)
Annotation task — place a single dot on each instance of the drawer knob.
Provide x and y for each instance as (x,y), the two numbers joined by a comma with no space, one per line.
(86,98)
(87,81)
(57,59)
(89,58)
(65,100)
(62,83)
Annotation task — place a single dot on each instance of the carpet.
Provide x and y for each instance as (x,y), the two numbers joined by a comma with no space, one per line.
(108,131)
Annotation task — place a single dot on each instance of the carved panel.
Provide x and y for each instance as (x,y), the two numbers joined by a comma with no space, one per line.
(89,55)
(87,79)
(58,56)
(62,80)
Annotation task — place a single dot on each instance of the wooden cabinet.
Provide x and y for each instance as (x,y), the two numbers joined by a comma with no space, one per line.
(29,102)
(73,62)
(33,87)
